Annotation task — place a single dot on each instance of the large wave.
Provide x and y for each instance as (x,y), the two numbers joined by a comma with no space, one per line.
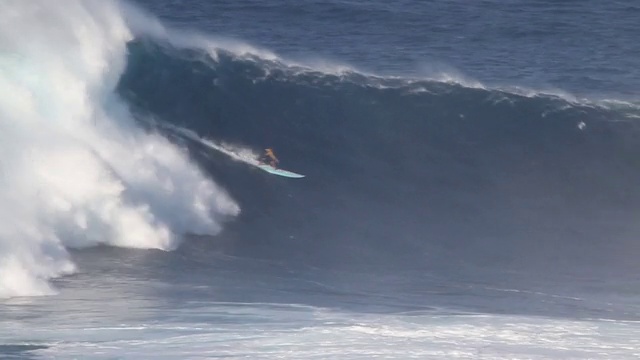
(75,169)
(400,169)
(397,167)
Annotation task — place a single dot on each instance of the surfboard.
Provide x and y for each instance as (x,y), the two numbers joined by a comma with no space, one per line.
(281,172)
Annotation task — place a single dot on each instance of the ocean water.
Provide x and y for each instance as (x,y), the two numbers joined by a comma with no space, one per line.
(470,186)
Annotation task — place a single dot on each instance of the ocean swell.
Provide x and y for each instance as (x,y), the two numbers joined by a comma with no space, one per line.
(402,170)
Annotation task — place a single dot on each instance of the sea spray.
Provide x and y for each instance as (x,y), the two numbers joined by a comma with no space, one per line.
(75,168)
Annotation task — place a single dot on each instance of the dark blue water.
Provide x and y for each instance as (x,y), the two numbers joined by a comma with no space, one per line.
(409,172)
(582,47)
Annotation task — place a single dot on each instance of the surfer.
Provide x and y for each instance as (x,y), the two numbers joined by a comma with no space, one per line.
(269,157)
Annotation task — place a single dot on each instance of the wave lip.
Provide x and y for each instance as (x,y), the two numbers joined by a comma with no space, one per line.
(76,169)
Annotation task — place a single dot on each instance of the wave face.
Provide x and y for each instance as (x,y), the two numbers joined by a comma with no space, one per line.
(76,170)
(400,171)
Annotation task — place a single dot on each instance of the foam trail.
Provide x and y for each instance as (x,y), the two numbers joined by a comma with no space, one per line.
(235,152)
(75,170)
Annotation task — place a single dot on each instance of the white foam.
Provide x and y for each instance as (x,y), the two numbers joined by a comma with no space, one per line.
(270,332)
(75,170)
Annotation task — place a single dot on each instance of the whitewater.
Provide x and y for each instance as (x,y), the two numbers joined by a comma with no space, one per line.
(76,170)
